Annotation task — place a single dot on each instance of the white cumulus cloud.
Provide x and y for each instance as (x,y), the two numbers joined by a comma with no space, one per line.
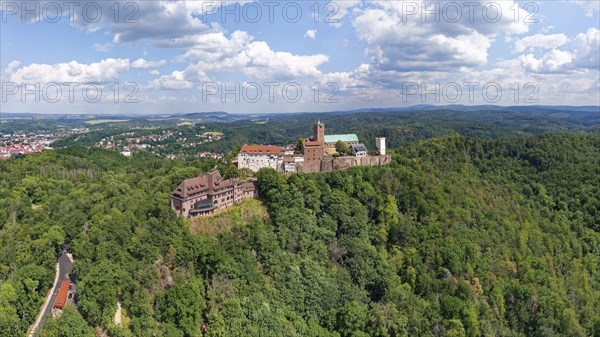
(104,71)
(12,66)
(542,41)
(399,41)
(141,63)
(175,81)
(555,61)
(311,34)
(587,49)
(581,55)
(239,52)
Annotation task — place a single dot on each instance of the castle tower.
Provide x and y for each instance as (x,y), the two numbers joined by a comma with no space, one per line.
(380,144)
(319,132)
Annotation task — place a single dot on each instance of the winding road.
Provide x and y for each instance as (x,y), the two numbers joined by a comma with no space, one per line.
(64,266)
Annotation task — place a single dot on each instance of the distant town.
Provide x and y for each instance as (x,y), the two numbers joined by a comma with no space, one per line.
(129,142)
(29,142)
(22,142)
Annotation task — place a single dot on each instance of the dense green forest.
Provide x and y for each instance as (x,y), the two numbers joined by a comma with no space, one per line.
(457,237)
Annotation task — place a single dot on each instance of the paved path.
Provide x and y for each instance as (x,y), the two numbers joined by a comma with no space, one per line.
(63,267)
(118,314)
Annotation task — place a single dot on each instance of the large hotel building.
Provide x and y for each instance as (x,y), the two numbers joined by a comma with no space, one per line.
(208,193)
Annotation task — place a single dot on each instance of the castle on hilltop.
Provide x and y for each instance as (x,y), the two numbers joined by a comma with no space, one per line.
(209,192)
(318,154)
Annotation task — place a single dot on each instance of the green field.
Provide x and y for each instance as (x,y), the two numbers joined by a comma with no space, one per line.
(104,121)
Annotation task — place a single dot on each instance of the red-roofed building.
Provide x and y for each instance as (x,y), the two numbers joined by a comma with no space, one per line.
(261,149)
(61,297)
(255,157)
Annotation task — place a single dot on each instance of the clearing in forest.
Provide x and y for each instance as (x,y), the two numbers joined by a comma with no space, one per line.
(228,218)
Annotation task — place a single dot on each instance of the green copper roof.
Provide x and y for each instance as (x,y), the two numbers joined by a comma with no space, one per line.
(344,138)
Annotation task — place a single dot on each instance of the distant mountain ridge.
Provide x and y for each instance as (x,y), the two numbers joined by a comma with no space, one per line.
(223,116)
(419,107)
(460,107)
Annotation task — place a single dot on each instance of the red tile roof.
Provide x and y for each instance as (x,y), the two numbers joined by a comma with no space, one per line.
(261,149)
(61,298)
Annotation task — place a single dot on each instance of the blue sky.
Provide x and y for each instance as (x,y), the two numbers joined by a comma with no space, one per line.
(178,56)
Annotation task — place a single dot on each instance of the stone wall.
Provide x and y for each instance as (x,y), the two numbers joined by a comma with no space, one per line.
(341,163)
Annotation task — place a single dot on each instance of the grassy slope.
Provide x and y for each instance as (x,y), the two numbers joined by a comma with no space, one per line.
(231,217)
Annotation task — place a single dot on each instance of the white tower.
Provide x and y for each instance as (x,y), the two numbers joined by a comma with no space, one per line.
(380,144)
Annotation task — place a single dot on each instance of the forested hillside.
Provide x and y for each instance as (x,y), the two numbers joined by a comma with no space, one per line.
(457,237)
(400,128)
